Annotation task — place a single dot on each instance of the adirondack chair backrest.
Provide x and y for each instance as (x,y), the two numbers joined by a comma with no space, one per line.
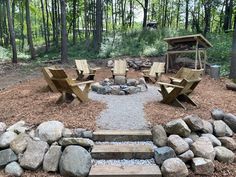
(120,67)
(157,67)
(189,74)
(189,85)
(82,65)
(48,77)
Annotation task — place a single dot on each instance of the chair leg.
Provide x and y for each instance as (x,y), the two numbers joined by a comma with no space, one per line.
(177,103)
(65,98)
(186,98)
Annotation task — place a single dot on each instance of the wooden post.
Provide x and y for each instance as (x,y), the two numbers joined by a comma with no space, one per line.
(200,60)
(196,56)
(167,62)
(205,60)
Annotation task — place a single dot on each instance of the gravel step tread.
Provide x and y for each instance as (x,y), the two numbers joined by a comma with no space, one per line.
(122,135)
(125,171)
(122,151)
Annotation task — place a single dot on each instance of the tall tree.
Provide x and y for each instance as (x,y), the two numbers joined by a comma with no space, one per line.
(98,30)
(233,59)
(64,49)
(186,14)
(145,11)
(29,30)
(12,32)
(74,21)
(44,26)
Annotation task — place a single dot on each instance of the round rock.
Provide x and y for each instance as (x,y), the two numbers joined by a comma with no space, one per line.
(228,143)
(159,136)
(13,169)
(224,155)
(6,138)
(178,144)
(194,122)
(3,127)
(230,120)
(178,127)
(174,167)
(217,114)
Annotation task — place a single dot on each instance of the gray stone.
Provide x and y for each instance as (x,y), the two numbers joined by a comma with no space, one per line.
(6,138)
(104,90)
(32,133)
(95,87)
(120,80)
(51,159)
(78,132)
(188,140)
(174,167)
(34,154)
(213,139)
(85,142)
(87,134)
(228,143)
(186,156)
(228,132)
(3,127)
(224,155)
(50,131)
(19,144)
(122,92)
(193,136)
(132,82)
(163,153)
(75,161)
(221,128)
(115,90)
(132,90)
(19,127)
(67,133)
(203,148)
(207,127)
(217,114)
(178,144)
(194,122)
(7,156)
(230,120)
(110,63)
(178,127)
(14,169)
(159,136)
(202,166)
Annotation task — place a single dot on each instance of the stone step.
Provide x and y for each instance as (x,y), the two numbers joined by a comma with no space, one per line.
(122,135)
(123,151)
(125,171)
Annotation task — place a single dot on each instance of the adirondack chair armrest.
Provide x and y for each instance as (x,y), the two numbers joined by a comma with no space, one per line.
(194,80)
(169,85)
(93,70)
(80,83)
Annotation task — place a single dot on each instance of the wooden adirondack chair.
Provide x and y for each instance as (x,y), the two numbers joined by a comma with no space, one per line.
(84,71)
(155,72)
(48,77)
(176,94)
(67,86)
(120,68)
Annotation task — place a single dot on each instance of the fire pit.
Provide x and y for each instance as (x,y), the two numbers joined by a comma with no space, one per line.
(119,86)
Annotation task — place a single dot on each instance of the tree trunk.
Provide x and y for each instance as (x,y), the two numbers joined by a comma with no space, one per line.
(98,30)
(74,22)
(177,15)
(145,11)
(232,74)
(207,7)
(29,31)
(12,33)
(22,25)
(63,32)
(13,12)
(48,29)
(186,14)
(44,26)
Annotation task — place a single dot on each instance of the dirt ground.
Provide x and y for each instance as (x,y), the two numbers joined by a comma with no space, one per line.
(24,96)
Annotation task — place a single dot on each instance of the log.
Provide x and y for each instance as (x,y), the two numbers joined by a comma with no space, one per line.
(231,86)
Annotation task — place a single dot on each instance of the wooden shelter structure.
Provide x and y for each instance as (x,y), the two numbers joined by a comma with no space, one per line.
(196,43)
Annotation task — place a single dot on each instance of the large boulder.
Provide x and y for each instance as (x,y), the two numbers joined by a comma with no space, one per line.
(194,122)
(230,120)
(228,143)
(221,129)
(202,166)
(186,156)
(84,142)
(34,154)
(3,127)
(6,138)
(75,161)
(50,131)
(6,156)
(163,153)
(207,127)
(224,155)
(174,167)
(51,159)
(178,127)
(178,144)
(213,139)
(203,148)
(14,169)
(159,136)
(19,144)
(217,114)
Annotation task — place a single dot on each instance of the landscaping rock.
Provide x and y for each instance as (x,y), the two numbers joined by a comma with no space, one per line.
(213,139)
(87,134)
(178,127)
(19,127)
(104,90)
(78,132)
(67,133)
(75,161)
(203,148)
(174,167)
(51,159)
(34,154)
(224,155)
(115,90)
(159,136)
(84,142)
(7,156)
(188,140)
(221,128)
(14,169)
(228,143)
(178,144)
(120,80)
(202,166)
(194,122)
(50,131)
(19,144)
(3,127)
(6,138)
(132,82)
(193,136)
(186,156)
(217,114)
(207,127)
(230,120)
(229,132)
(163,153)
